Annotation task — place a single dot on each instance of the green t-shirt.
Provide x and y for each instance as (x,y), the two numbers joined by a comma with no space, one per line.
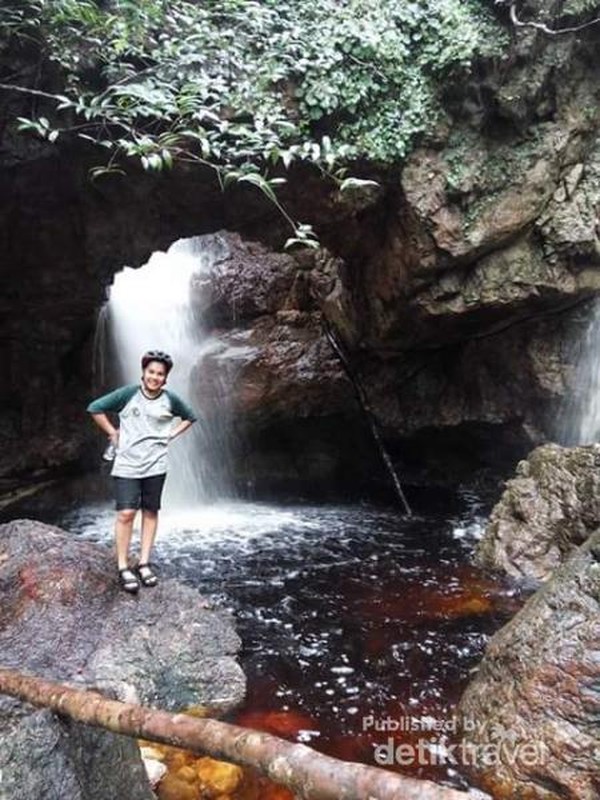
(144,427)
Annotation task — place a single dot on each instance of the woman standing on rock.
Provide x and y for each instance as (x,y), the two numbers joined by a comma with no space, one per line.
(146,426)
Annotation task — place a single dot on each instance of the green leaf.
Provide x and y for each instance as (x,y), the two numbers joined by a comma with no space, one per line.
(350,184)
(27,124)
(155,162)
(260,183)
(295,241)
(238,82)
(287,157)
(97,172)
(231,177)
(273,154)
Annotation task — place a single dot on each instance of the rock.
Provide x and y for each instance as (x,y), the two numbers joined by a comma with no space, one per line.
(63,617)
(475,196)
(515,276)
(289,407)
(474,398)
(268,361)
(283,367)
(572,178)
(545,512)
(528,90)
(244,280)
(570,223)
(532,708)
(223,778)
(155,770)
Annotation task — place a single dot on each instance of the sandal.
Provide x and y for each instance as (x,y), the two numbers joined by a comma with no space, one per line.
(128,580)
(147,575)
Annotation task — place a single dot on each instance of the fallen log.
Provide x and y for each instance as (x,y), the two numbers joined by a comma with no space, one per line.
(310,775)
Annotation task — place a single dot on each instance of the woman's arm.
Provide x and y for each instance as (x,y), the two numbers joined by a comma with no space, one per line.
(179,429)
(103,422)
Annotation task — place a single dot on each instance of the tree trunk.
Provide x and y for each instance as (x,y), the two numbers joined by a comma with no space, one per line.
(308,774)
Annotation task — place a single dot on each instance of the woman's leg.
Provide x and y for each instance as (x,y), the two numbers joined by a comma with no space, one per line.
(127,495)
(123,529)
(149,526)
(151,494)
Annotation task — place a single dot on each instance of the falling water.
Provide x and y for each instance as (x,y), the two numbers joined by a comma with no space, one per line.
(150,309)
(581,421)
(101,351)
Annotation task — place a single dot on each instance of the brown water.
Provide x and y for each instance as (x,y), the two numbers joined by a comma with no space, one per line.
(354,620)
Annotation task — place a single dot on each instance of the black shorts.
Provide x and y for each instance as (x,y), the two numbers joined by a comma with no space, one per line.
(141,493)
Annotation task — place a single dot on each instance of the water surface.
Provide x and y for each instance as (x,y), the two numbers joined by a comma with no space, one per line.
(350,615)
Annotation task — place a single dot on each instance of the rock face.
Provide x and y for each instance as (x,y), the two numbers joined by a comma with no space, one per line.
(270,368)
(63,617)
(531,712)
(548,509)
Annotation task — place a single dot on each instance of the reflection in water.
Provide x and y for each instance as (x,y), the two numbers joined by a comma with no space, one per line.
(347,613)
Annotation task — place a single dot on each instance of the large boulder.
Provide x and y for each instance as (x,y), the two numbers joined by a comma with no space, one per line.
(63,617)
(531,713)
(549,508)
(281,368)
(243,281)
(267,358)
(267,378)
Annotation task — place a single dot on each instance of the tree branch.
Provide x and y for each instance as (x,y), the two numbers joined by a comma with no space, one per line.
(541,26)
(310,775)
(10,87)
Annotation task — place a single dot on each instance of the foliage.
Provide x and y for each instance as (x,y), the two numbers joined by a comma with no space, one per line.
(248,86)
(555,18)
(577,8)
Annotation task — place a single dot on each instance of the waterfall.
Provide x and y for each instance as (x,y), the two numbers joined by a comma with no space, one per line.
(150,308)
(580,422)
(100,351)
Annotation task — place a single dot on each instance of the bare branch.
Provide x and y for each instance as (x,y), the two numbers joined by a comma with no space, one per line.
(11,87)
(541,26)
(311,775)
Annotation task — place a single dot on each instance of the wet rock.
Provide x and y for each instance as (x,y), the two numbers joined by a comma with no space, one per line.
(269,368)
(550,507)
(246,280)
(63,617)
(289,405)
(531,711)
(268,357)
(467,390)
(282,367)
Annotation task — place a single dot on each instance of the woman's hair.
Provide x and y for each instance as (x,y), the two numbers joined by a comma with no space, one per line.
(157,355)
